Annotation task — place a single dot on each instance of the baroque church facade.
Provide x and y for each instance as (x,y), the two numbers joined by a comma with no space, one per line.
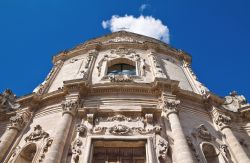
(123,98)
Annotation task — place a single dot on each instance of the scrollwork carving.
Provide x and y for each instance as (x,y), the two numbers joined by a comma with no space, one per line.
(45,149)
(17,121)
(37,134)
(119,130)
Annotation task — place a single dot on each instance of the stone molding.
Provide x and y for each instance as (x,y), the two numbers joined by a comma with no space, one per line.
(169,104)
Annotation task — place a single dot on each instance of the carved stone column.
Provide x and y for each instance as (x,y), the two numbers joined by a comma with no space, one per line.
(55,152)
(16,124)
(223,122)
(170,111)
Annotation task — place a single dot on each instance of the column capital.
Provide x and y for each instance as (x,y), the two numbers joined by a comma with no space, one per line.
(70,107)
(19,120)
(169,105)
(223,121)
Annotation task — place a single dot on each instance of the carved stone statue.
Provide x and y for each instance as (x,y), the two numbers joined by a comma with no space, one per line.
(8,101)
(202,132)
(37,134)
(233,102)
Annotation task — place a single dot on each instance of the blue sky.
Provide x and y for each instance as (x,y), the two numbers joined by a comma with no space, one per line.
(214,32)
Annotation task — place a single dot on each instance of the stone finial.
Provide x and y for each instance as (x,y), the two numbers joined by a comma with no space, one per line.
(8,101)
(223,121)
(234,102)
(70,107)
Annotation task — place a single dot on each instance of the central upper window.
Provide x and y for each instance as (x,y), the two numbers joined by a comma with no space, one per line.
(122,69)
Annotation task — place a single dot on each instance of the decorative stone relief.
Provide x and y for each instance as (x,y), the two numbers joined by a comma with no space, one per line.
(76,150)
(119,130)
(37,134)
(119,117)
(222,121)
(45,148)
(90,118)
(162,149)
(120,78)
(81,129)
(202,132)
(123,125)
(8,101)
(70,106)
(234,102)
(192,147)
(158,69)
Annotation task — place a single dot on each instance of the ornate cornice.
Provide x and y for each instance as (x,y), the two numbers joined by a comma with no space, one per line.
(112,41)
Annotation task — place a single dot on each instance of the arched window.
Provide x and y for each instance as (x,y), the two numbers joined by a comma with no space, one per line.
(27,154)
(210,153)
(122,69)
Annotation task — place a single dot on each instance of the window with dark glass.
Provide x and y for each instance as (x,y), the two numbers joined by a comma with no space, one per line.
(122,69)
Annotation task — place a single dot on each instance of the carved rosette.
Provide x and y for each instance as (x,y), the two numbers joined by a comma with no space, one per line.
(70,107)
(170,106)
(223,121)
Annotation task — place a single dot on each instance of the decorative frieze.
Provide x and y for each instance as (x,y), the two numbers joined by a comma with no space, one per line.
(120,78)
(45,148)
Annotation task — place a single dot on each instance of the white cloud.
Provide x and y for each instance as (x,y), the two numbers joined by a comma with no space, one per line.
(144,25)
(143,7)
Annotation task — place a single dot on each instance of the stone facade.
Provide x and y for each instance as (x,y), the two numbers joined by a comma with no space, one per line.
(161,113)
